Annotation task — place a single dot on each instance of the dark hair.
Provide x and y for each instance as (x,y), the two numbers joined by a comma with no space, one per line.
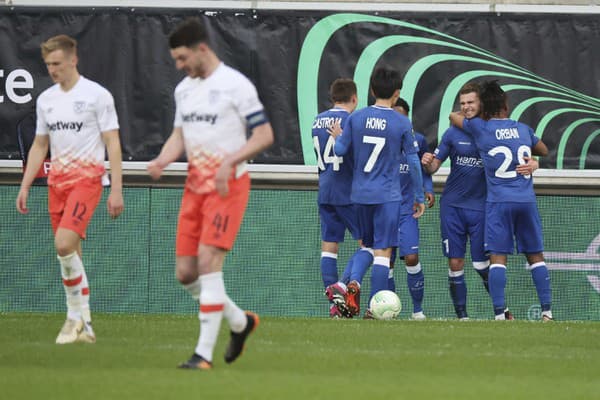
(342,90)
(493,99)
(471,87)
(188,33)
(402,103)
(384,82)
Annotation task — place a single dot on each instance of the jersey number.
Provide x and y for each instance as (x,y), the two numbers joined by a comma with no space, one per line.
(379,142)
(329,156)
(502,171)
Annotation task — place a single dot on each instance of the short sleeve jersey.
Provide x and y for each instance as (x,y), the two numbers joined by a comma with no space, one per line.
(406,185)
(502,144)
(74,121)
(465,186)
(335,172)
(377,137)
(214,114)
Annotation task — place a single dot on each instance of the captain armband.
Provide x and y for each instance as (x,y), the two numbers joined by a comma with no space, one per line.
(256,119)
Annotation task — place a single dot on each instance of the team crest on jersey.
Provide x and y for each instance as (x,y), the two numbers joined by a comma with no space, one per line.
(79,107)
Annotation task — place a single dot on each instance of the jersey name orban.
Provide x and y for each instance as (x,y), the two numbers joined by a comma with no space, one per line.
(503,144)
(213,113)
(75,121)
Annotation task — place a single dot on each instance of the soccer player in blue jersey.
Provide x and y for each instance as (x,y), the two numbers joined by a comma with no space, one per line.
(336,211)
(462,206)
(408,225)
(511,209)
(376,136)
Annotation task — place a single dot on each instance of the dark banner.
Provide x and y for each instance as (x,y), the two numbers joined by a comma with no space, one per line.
(548,65)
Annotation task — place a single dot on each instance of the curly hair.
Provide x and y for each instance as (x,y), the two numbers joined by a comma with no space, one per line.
(493,99)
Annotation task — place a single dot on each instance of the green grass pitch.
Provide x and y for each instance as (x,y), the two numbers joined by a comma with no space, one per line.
(136,355)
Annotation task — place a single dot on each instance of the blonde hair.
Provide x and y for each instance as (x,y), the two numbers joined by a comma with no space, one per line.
(61,42)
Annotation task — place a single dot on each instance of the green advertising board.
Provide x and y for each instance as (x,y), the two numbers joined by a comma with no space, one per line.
(274,266)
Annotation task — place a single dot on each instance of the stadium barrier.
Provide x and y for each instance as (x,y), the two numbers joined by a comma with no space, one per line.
(274,266)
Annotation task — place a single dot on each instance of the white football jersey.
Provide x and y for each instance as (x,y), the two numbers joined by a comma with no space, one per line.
(213,113)
(75,121)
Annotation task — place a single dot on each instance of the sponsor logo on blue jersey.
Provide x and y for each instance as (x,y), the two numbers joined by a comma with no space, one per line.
(469,161)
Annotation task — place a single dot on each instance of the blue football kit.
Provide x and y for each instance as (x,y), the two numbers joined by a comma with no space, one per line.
(511,209)
(462,205)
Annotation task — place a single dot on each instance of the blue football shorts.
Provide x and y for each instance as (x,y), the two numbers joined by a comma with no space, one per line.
(379,224)
(521,221)
(458,225)
(335,220)
(408,235)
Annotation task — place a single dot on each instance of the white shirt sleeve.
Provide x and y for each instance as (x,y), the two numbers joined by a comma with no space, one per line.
(106,112)
(41,128)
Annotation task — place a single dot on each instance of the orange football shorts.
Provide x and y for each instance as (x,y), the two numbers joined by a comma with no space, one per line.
(210,219)
(72,207)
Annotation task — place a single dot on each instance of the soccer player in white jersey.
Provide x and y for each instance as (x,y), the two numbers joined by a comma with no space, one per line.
(511,209)
(215,105)
(76,118)
(377,136)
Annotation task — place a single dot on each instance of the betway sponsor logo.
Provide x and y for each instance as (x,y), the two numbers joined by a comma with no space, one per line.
(64,126)
(589,260)
(469,161)
(195,117)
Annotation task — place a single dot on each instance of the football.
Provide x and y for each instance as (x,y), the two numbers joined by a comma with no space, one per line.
(385,304)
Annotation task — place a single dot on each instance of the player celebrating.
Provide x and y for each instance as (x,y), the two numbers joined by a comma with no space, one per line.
(376,136)
(335,208)
(408,225)
(76,118)
(511,209)
(215,105)
(462,206)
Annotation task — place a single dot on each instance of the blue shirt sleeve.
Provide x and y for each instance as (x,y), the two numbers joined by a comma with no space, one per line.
(443,150)
(414,166)
(534,139)
(343,142)
(473,125)
(427,180)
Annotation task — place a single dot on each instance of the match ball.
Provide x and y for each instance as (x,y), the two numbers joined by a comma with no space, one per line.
(385,304)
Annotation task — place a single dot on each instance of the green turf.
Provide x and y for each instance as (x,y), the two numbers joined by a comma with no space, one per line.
(135,357)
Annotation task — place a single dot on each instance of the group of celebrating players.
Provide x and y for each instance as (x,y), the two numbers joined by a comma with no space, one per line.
(375,175)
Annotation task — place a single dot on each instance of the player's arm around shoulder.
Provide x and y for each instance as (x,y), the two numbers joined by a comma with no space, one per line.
(260,139)
(115,202)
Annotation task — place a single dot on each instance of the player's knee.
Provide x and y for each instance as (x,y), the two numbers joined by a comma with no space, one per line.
(411,259)
(64,246)
(186,271)
(456,264)
(534,258)
(185,276)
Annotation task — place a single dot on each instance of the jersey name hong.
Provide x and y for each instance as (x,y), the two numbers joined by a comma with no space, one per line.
(212,113)
(75,121)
